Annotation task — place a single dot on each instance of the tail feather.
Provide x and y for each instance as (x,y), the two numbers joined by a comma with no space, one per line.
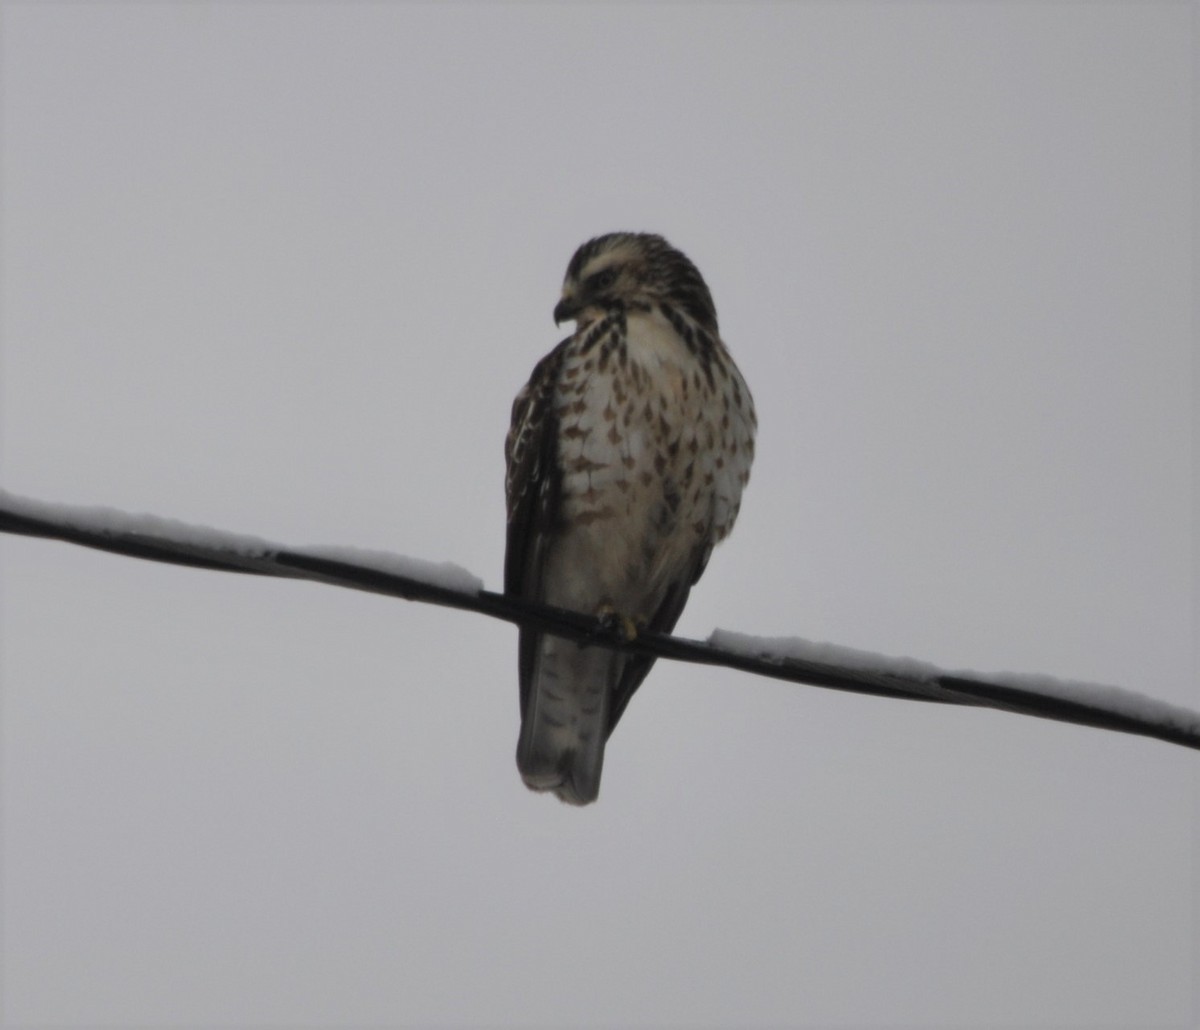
(564,725)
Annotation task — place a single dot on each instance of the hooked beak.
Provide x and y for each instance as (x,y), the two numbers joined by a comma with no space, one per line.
(565,310)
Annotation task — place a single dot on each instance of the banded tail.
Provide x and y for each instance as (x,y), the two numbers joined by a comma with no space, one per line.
(565,723)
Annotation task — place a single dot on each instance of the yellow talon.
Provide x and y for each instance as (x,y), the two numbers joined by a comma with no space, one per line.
(618,622)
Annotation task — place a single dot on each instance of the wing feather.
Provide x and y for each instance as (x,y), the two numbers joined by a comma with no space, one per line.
(533,490)
(637,667)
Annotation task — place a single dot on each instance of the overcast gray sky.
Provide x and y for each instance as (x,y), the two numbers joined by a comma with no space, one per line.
(281,269)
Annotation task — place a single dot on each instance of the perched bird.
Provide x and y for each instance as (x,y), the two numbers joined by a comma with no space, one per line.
(626,458)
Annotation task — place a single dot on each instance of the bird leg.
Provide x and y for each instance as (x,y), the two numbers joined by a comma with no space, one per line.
(618,624)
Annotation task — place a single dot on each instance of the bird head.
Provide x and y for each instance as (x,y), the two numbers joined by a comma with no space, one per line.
(623,271)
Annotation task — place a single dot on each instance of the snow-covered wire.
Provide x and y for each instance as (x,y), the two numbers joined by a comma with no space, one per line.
(799,661)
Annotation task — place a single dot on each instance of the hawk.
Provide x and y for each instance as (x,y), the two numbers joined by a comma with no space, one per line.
(626,458)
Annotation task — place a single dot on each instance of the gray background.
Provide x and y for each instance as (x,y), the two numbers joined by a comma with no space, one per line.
(281,268)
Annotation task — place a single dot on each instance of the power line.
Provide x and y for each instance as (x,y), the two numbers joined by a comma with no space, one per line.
(176,543)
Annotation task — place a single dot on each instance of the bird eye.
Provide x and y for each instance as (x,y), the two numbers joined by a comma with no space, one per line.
(602,280)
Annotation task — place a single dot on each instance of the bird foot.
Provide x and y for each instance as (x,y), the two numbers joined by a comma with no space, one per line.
(618,624)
